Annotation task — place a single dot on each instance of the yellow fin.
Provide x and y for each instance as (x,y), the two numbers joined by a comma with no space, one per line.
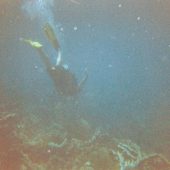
(34,44)
(51,36)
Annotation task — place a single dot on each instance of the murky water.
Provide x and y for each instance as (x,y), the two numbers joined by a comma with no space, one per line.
(123,46)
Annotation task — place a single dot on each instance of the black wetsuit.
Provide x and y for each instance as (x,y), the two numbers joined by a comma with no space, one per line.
(64,81)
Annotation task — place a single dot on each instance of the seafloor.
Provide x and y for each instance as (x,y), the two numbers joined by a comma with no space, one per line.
(28,142)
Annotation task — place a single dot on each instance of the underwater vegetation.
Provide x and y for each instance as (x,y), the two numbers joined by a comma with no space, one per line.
(28,143)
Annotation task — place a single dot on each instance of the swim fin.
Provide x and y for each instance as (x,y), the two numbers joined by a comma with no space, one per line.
(51,36)
(34,44)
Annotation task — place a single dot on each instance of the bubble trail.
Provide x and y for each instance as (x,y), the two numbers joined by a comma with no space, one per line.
(41,10)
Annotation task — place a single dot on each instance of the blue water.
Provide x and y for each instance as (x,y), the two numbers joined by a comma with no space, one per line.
(125,46)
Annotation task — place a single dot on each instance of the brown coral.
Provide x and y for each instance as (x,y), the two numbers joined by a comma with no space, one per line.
(154,162)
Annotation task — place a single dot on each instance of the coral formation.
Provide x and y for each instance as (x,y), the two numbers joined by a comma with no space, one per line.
(154,162)
(24,145)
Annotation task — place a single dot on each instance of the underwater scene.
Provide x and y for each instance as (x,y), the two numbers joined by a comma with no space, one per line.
(84,85)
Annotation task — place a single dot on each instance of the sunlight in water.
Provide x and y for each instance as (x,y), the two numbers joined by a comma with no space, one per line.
(39,9)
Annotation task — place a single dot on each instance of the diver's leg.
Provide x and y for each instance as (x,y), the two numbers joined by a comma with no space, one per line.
(58,60)
(38,46)
(52,38)
(45,58)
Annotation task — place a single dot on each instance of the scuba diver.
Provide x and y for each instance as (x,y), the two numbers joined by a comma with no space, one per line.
(64,80)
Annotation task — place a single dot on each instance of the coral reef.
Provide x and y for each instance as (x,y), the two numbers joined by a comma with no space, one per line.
(10,155)
(154,162)
(27,144)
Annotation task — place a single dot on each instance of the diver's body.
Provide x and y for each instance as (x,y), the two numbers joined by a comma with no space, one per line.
(64,80)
